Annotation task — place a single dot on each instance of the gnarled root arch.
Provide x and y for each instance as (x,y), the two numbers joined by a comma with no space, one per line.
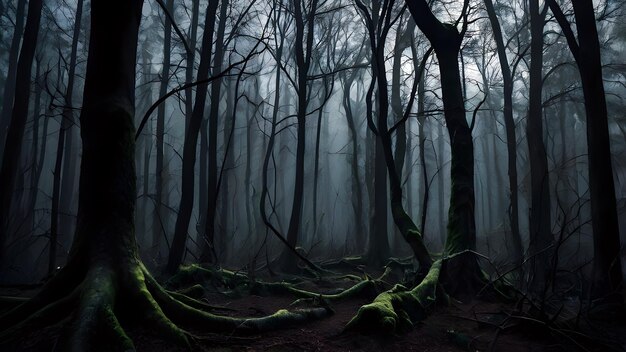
(398,309)
(89,305)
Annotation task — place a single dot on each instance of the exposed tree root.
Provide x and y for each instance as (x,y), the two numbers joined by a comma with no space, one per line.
(97,302)
(398,309)
(238,281)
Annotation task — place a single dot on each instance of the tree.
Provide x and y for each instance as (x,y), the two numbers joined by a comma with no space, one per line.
(104,275)
(458,271)
(509,123)
(177,250)
(357,193)
(607,270)
(540,219)
(19,115)
(303,49)
(208,249)
(9,84)
(377,36)
(63,170)
(446,41)
(159,211)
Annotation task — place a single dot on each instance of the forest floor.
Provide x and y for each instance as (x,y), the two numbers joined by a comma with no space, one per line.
(470,326)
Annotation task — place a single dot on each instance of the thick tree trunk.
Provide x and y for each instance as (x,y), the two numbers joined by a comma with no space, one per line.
(461,275)
(15,133)
(606,239)
(607,271)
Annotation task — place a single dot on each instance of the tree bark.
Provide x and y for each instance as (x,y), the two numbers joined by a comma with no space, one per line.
(540,217)
(461,236)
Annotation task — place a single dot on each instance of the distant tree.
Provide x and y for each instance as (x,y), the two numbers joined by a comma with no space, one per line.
(378,23)
(17,124)
(303,48)
(9,83)
(509,124)
(63,170)
(378,249)
(159,217)
(177,250)
(357,191)
(208,253)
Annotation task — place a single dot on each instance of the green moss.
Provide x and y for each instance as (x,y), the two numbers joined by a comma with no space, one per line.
(397,309)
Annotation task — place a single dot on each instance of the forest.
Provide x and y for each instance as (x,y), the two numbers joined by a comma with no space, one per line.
(312,175)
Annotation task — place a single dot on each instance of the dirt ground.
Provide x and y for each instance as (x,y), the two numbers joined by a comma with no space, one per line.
(473,326)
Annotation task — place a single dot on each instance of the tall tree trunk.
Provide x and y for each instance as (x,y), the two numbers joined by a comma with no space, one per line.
(384,151)
(142,154)
(209,253)
(17,124)
(9,83)
(177,250)
(37,154)
(399,154)
(421,119)
(223,183)
(303,60)
(511,140)
(446,41)
(158,219)
(191,57)
(70,159)
(540,217)
(357,195)
(441,183)
(56,188)
(606,239)
(269,149)
(402,42)
(62,166)
(607,269)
